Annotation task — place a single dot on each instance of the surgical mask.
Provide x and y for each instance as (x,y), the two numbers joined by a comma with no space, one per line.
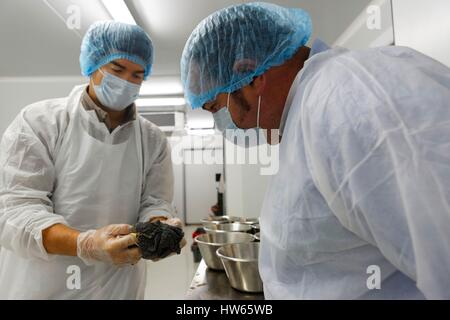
(115,93)
(224,122)
(223,119)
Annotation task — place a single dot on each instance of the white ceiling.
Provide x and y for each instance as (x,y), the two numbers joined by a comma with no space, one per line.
(35,40)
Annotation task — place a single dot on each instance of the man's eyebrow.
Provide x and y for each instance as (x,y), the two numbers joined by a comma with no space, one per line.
(211,105)
(123,67)
(117,64)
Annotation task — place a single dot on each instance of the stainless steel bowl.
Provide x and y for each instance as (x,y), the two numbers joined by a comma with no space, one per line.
(228,227)
(220,220)
(209,243)
(250,221)
(258,236)
(255,228)
(241,266)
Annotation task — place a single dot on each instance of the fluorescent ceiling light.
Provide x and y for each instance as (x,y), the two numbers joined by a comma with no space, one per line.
(161,102)
(161,89)
(119,11)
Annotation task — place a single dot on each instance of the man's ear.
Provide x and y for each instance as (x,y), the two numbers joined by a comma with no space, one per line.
(259,84)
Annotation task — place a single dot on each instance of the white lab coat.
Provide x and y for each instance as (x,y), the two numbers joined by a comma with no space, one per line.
(364,181)
(60,164)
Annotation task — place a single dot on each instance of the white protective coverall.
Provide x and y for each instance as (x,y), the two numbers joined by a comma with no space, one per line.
(60,165)
(364,180)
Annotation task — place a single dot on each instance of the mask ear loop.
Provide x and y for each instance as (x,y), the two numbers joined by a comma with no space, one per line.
(102,72)
(259,112)
(228,100)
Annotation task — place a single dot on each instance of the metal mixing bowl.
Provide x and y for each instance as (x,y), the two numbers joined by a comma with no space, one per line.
(241,266)
(209,243)
(255,228)
(228,227)
(250,221)
(220,220)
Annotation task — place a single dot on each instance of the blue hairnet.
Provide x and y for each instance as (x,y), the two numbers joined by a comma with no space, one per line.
(107,41)
(232,46)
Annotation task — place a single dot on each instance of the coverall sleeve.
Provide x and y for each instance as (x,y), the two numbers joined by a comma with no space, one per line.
(380,155)
(159,186)
(27,177)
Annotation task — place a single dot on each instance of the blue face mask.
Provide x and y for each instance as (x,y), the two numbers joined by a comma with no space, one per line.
(225,124)
(115,93)
(223,120)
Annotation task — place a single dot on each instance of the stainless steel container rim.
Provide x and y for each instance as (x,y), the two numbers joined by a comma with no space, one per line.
(221,244)
(249,222)
(224,231)
(225,219)
(214,221)
(220,255)
(241,226)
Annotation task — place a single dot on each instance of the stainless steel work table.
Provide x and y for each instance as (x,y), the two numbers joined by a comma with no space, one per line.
(214,285)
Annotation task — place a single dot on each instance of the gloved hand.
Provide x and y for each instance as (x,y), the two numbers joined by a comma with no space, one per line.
(110,244)
(174,222)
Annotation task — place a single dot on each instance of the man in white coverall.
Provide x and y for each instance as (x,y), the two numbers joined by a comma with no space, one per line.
(360,208)
(76,173)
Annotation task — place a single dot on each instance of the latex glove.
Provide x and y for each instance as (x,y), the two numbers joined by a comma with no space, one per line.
(174,222)
(110,244)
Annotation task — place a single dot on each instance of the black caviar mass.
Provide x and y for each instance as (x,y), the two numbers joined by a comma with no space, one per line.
(158,240)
